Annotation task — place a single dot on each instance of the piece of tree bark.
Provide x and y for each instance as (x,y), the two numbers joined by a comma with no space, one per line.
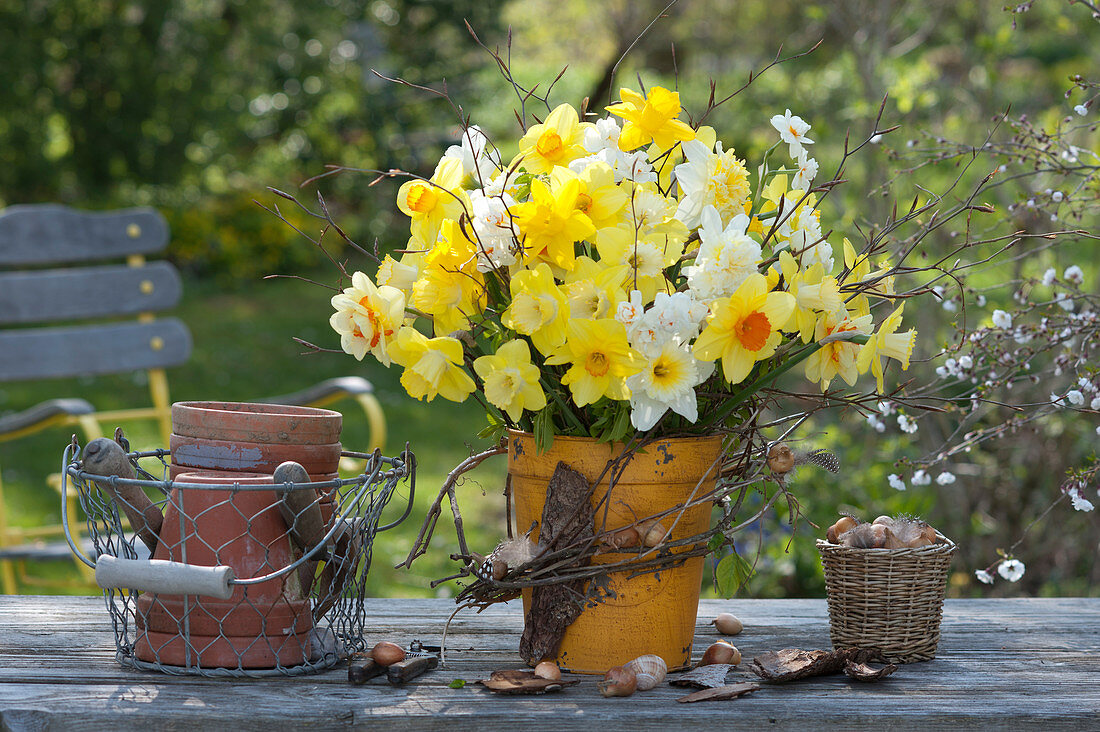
(720,693)
(793,663)
(514,681)
(566,518)
(866,672)
(704,677)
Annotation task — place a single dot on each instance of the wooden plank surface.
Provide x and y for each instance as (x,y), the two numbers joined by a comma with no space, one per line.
(1002,664)
(42,296)
(46,353)
(52,233)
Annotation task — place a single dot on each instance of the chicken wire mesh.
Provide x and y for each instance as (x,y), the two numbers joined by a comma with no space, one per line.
(233,576)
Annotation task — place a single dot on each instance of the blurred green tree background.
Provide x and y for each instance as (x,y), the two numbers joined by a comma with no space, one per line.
(197,106)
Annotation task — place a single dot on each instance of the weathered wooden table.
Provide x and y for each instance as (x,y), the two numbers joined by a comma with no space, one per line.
(1006,664)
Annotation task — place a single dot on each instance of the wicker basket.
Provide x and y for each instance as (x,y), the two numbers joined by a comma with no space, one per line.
(888,599)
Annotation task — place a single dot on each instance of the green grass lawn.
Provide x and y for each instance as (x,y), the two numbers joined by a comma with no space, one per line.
(243,350)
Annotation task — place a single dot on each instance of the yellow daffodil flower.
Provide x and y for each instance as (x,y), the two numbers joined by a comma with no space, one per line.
(650,240)
(772,275)
(538,308)
(449,288)
(859,272)
(651,212)
(888,343)
(812,291)
(602,201)
(651,118)
(594,289)
(427,203)
(556,142)
(432,366)
(776,191)
(601,360)
(645,258)
(744,327)
(400,273)
(756,226)
(511,380)
(551,222)
(366,317)
(837,357)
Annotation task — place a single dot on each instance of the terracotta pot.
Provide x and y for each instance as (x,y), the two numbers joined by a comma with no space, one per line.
(251,652)
(175,471)
(260,624)
(257,457)
(651,613)
(265,423)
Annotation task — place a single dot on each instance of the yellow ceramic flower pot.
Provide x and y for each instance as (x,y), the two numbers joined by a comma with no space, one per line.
(650,613)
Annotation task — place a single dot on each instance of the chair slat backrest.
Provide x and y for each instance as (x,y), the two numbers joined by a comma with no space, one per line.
(51,234)
(46,353)
(51,275)
(43,296)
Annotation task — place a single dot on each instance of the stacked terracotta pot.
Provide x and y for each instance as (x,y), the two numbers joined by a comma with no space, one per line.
(254,438)
(221,444)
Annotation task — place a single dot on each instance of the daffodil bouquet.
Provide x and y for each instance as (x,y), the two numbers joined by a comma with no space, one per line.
(624,274)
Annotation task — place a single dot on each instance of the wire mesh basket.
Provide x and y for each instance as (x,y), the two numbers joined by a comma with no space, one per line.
(887,599)
(233,574)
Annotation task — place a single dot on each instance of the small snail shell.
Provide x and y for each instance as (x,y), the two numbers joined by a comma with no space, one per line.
(650,671)
(655,533)
(721,652)
(500,568)
(548,670)
(780,459)
(884,520)
(387,654)
(624,538)
(727,624)
(843,524)
(618,681)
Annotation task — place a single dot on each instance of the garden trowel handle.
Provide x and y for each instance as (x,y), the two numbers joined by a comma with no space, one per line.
(164,578)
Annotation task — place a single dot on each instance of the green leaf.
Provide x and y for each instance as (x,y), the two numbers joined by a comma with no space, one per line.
(544,429)
(715,542)
(732,572)
(523,186)
(621,427)
(495,430)
(457,683)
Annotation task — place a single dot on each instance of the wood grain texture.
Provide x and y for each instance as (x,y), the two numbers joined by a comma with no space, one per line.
(42,296)
(1002,664)
(52,233)
(43,353)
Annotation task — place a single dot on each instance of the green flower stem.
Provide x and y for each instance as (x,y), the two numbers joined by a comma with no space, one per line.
(767,174)
(562,405)
(770,377)
(763,380)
